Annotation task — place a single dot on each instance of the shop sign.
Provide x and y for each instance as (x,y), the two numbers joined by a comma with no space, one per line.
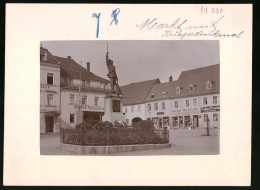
(210,109)
(160,113)
(186,110)
(87,107)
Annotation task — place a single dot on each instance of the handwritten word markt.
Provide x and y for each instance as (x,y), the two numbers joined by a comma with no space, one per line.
(182,28)
(113,15)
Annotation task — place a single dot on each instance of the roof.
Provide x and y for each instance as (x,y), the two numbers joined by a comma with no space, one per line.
(50,57)
(168,88)
(70,68)
(197,77)
(136,93)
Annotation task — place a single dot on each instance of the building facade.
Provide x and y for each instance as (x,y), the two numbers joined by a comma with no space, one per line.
(185,103)
(49,93)
(134,100)
(82,93)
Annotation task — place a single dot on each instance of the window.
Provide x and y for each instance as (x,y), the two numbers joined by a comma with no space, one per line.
(155,106)
(215,117)
(208,85)
(205,117)
(191,88)
(194,102)
(152,95)
(105,86)
(49,78)
(132,108)
(164,94)
(163,105)
(84,100)
(148,107)
(176,104)
(178,90)
(127,121)
(139,108)
(96,101)
(125,109)
(187,103)
(205,101)
(72,99)
(85,83)
(72,118)
(215,99)
(50,99)
(70,81)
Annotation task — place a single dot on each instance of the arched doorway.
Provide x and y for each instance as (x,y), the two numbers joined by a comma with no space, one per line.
(136,120)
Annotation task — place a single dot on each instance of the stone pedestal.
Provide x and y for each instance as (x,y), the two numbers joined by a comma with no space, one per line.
(79,117)
(113,108)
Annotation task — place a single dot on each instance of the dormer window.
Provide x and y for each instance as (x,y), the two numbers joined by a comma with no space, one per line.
(152,95)
(85,83)
(178,90)
(164,94)
(191,88)
(70,81)
(43,56)
(208,85)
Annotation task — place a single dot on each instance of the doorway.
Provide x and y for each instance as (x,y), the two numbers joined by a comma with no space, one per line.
(195,121)
(49,120)
(180,121)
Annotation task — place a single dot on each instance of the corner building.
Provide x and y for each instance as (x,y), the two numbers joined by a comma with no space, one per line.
(49,93)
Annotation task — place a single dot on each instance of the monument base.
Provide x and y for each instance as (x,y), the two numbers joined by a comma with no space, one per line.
(113,118)
(113,108)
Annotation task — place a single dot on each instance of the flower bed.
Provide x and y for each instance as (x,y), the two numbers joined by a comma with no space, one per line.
(105,133)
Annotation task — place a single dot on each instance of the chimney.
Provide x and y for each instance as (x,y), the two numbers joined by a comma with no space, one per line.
(69,57)
(170,78)
(88,67)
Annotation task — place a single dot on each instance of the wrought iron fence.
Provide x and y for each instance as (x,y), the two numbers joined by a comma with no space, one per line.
(125,136)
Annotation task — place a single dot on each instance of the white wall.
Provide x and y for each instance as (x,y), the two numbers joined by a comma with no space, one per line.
(129,114)
(67,108)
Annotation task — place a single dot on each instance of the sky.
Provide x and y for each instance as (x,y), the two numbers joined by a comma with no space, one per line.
(139,60)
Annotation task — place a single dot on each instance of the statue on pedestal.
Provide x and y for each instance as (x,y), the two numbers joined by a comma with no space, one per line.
(112,74)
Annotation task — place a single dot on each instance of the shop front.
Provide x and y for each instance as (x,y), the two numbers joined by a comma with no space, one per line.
(185,118)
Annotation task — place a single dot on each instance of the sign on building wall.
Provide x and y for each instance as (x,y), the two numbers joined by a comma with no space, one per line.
(210,109)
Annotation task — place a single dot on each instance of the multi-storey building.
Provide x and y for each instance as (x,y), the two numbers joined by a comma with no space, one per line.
(82,93)
(158,104)
(187,102)
(49,92)
(196,98)
(134,99)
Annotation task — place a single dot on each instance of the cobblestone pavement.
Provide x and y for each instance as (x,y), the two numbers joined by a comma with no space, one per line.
(184,142)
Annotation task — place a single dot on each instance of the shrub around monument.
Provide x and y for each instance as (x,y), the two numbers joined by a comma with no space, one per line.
(94,125)
(144,125)
(97,133)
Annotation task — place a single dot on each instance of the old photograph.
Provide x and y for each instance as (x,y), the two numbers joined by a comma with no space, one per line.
(130,98)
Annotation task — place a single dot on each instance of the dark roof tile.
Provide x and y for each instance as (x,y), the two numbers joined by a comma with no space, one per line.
(136,93)
(71,69)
